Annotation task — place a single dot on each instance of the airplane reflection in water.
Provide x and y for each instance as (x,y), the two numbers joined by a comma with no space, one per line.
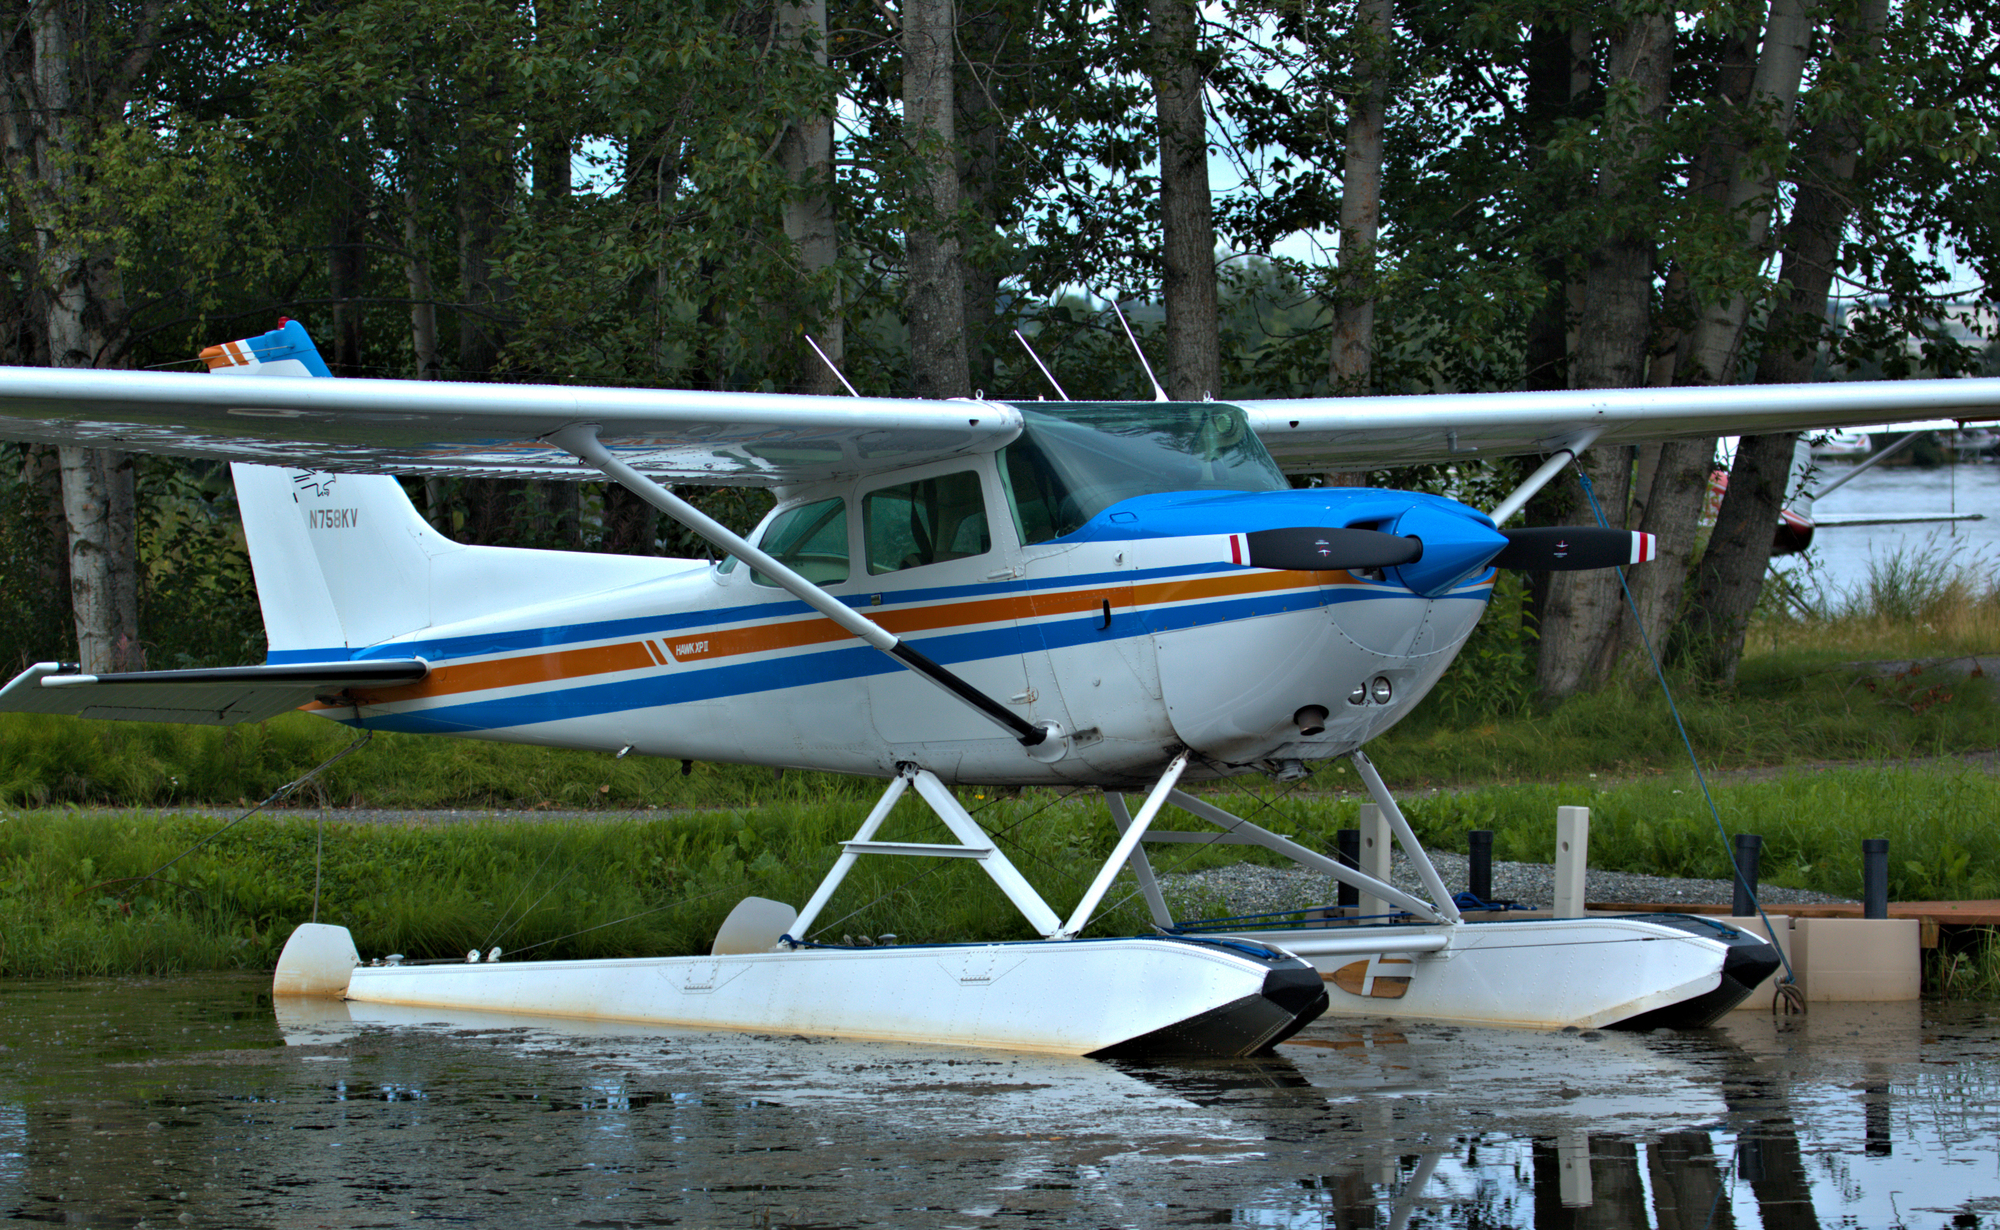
(1849,1116)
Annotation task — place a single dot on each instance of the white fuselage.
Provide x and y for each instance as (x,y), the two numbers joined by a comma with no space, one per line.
(1133,646)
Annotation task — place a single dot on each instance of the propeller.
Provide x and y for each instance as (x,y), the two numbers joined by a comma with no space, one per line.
(1304,549)
(1572,548)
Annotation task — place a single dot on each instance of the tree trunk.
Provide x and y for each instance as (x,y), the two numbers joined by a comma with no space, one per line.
(59,94)
(416,248)
(1353,357)
(485,195)
(86,509)
(981,129)
(1611,352)
(1187,215)
(347,260)
(1731,576)
(1709,351)
(806,154)
(935,291)
(1559,76)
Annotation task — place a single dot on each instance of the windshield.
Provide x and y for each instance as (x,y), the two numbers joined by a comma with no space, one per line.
(1068,467)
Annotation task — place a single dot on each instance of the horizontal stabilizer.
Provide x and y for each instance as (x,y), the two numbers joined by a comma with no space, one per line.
(1573,548)
(223,696)
(1301,549)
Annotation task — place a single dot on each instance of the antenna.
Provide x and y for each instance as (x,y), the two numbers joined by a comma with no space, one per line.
(1159,394)
(830,367)
(1038,363)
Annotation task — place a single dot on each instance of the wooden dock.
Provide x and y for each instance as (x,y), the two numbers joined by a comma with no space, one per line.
(1934,915)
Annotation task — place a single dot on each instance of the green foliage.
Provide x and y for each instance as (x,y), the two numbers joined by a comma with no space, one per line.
(35,622)
(1780,713)
(1967,966)
(1494,674)
(198,599)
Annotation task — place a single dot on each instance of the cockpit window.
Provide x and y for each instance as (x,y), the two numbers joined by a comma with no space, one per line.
(811,540)
(925,522)
(1068,467)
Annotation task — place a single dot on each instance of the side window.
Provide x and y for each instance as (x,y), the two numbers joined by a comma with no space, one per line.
(925,522)
(811,540)
(1035,494)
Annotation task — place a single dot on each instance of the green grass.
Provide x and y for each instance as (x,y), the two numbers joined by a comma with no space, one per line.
(77,894)
(73,900)
(1778,715)
(48,761)
(1927,601)
(1966,966)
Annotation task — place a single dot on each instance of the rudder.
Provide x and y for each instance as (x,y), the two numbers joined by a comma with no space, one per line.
(342,561)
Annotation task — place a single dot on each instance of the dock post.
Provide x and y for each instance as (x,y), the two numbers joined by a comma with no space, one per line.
(1479,851)
(1874,877)
(1348,853)
(1749,848)
(1572,859)
(1374,855)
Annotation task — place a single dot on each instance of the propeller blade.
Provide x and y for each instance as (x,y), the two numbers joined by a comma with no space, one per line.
(1303,549)
(1572,548)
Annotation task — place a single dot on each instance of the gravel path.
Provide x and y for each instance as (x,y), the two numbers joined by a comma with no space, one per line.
(1248,888)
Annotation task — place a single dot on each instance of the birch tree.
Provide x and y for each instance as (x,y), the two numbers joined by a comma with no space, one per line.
(1738,173)
(69,70)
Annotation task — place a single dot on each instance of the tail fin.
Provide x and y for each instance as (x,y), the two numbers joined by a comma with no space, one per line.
(284,351)
(343,561)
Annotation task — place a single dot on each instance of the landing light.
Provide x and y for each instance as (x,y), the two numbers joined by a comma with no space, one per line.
(1359,696)
(1380,691)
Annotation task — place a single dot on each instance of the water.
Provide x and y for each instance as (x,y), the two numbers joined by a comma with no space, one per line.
(188,1103)
(1840,556)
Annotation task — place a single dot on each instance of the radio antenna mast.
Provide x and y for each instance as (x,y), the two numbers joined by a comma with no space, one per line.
(830,367)
(1159,394)
(1038,363)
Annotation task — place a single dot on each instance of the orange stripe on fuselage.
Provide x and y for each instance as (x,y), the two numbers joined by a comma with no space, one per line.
(455,679)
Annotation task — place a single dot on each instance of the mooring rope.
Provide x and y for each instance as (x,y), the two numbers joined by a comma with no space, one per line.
(1789,994)
(671,905)
(283,792)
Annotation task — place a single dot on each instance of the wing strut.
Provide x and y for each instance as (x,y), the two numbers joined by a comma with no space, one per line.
(1045,739)
(1564,454)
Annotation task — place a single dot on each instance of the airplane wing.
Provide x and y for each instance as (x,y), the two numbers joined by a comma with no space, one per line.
(1351,433)
(262,415)
(1838,520)
(223,696)
(764,439)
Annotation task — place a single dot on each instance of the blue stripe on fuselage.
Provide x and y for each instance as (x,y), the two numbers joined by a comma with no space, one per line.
(853,661)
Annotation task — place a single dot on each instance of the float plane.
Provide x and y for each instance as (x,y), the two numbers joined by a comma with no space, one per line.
(1129,596)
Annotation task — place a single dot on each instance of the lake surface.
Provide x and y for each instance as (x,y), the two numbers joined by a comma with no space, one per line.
(190,1102)
(1840,556)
